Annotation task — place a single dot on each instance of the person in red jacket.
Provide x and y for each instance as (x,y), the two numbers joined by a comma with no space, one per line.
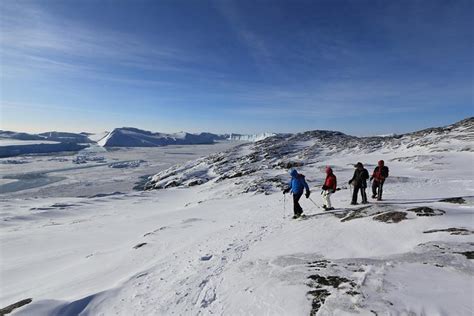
(329,187)
(379,175)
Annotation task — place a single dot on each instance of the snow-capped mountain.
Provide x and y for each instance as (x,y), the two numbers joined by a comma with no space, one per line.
(61,137)
(19,136)
(134,137)
(65,137)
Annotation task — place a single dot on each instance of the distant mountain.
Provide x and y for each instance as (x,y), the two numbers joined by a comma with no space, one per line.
(19,136)
(61,137)
(134,137)
(64,137)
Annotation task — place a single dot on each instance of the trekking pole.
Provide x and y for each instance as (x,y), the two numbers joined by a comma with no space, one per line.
(314,202)
(284,206)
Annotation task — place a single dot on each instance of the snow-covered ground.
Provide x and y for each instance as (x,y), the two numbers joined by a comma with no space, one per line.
(219,238)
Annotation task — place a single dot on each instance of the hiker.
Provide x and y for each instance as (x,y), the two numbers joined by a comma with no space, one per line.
(329,187)
(359,181)
(379,175)
(297,185)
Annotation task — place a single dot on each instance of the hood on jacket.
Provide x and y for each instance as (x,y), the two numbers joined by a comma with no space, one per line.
(381,163)
(293,173)
(328,170)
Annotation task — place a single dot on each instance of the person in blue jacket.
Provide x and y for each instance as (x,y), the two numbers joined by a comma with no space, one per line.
(297,185)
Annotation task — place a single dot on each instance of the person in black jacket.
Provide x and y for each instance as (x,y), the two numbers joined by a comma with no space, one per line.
(359,181)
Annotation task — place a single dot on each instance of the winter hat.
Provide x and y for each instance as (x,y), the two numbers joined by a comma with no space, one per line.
(328,170)
(381,163)
(359,164)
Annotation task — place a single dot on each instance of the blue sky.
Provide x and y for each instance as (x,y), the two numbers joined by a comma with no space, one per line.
(361,67)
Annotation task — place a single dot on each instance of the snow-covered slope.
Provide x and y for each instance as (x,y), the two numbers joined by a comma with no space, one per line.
(265,158)
(96,137)
(219,238)
(133,137)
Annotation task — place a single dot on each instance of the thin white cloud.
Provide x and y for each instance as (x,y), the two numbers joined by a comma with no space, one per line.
(31,39)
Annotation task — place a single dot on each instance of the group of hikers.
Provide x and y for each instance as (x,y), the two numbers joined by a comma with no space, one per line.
(298,186)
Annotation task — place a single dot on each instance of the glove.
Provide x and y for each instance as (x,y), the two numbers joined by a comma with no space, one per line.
(333,191)
(350,182)
(286,190)
(325,187)
(307,194)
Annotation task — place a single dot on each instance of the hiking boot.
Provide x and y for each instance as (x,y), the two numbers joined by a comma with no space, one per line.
(374,196)
(329,209)
(324,207)
(354,203)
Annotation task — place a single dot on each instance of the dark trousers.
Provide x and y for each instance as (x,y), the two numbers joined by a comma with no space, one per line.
(362,193)
(297,209)
(377,186)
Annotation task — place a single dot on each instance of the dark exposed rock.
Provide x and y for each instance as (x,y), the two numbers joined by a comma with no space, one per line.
(319,297)
(139,245)
(331,280)
(195,182)
(322,283)
(391,217)
(468,254)
(426,211)
(456,200)
(290,164)
(452,230)
(357,213)
(318,264)
(12,307)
